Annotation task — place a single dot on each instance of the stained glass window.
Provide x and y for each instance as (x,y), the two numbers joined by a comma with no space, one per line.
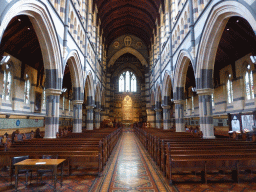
(249,83)
(192,100)
(27,90)
(44,97)
(127,82)
(7,82)
(229,89)
(133,84)
(212,100)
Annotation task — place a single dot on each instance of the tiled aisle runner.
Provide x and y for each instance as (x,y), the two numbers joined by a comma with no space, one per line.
(131,170)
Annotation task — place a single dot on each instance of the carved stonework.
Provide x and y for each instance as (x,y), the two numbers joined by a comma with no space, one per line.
(116,44)
(127,41)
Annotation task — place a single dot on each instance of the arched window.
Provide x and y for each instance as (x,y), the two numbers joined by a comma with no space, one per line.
(127,82)
(121,83)
(44,98)
(27,89)
(229,89)
(7,83)
(192,101)
(212,97)
(249,83)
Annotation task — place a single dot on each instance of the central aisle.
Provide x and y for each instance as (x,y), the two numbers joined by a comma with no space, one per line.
(131,169)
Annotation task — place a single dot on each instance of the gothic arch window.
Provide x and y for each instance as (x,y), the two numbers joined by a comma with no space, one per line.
(27,89)
(192,103)
(229,89)
(7,83)
(44,99)
(248,81)
(127,82)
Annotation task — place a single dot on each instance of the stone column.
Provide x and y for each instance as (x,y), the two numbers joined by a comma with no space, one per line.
(205,111)
(97,118)
(151,118)
(179,115)
(52,112)
(158,117)
(78,116)
(89,122)
(166,116)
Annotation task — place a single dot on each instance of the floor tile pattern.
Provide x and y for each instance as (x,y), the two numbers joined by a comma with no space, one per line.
(131,170)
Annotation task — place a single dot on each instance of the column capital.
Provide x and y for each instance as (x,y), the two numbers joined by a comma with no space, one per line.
(178,101)
(205,91)
(77,102)
(90,106)
(165,106)
(158,109)
(98,110)
(51,91)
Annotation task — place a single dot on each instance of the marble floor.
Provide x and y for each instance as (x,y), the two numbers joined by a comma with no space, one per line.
(131,169)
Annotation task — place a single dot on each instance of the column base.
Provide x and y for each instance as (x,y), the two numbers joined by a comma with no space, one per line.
(209,137)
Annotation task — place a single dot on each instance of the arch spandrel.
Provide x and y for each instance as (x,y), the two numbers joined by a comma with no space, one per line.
(127,50)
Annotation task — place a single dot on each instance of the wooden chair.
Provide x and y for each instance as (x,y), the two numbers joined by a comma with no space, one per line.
(22,171)
(43,171)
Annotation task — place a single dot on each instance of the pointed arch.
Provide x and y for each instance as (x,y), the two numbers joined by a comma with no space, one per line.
(89,89)
(167,86)
(181,67)
(76,72)
(127,50)
(46,32)
(211,36)
(152,100)
(98,96)
(158,97)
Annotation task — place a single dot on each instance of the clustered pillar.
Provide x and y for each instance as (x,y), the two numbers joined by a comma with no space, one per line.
(52,112)
(179,116)
(89,121)
(205,108)
(97,118)
(77,111)
(166,117)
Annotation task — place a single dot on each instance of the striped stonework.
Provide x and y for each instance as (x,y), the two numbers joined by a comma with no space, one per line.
(166,116)
(179,116)
(52,112)
(89,122)
(77,111)
(158,117)
(205,108)
(97,117)
(151,118)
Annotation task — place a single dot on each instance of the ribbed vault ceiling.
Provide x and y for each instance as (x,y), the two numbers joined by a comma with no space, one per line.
(120,17)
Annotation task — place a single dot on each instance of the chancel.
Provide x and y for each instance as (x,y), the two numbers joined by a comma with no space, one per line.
(145,95)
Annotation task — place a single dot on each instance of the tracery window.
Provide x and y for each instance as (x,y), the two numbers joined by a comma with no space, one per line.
(27,89)
(127,82)
(193,105)
(212,97)
(7,82)
(229,89)
(249,83)
(44,97)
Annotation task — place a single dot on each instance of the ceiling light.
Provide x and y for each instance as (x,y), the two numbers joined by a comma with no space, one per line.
(28,28)
(237,21)
(19,19)
(227,29)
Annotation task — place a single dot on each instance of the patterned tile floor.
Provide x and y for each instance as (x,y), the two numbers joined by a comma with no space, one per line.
(131,170)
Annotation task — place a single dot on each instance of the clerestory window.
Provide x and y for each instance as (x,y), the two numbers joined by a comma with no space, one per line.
(127,82)
(249,83)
